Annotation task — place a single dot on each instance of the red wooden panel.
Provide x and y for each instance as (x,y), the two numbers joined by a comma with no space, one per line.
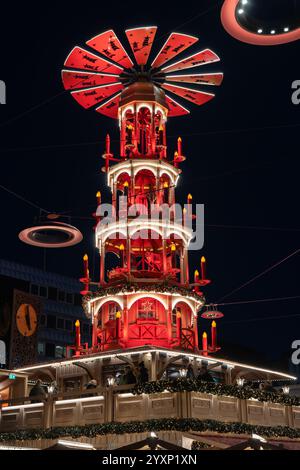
(197,97)
(141,41)
(81,59)
(110,108)
(203,79)
(194,60)
(76,80)
(109,45)
(175,44)
(175,109)
(92,96)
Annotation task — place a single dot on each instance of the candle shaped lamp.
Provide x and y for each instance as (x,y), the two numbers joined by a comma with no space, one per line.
(204,343)
(173,254)
(129,132)
(86,275)
(85,266)
(98,198)
(77,337)
(166,192)
(184,217)
(125,188)
(178,326)
(108,155)
(196,280)
(122,250)
(189,201)
(203,268)
(118,320)
(161,136)
(107,144)
(213,335)
(176,159)
(179,146)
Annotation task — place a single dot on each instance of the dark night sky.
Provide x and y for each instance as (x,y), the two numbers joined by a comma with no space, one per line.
(242,152)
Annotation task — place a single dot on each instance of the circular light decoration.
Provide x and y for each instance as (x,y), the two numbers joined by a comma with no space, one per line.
(51,235)
(262,23)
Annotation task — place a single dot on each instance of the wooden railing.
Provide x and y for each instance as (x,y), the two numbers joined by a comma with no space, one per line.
(102,405)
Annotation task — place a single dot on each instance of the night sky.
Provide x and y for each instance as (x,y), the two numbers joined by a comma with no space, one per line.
(242,153)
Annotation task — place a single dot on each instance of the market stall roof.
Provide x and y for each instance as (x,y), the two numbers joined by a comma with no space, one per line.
(241,369)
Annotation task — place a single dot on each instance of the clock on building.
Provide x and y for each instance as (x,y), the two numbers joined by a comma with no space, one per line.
(26,320)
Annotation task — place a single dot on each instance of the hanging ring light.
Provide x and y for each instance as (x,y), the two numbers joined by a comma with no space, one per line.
(262,23)
(211,313)
(51,235)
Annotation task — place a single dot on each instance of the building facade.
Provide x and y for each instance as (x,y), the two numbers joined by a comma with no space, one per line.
(58,302)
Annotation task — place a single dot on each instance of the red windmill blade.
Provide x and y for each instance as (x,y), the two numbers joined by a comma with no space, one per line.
(109,45)
(98,79)
(77,80)
(111,107)
(195,60)
(196,96)
(141,42)
(84,60)
(175,44)
(214,79)
(92,96)
(175,109)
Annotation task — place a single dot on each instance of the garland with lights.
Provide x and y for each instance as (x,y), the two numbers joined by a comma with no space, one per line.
(196,445)
(152,425)
(160,288)
(194,385)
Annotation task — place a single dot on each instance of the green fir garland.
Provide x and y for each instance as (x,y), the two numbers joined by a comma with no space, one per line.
(162,288)
(194,385)
(155,425)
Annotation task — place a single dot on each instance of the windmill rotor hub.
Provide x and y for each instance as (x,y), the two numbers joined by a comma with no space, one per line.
(143,90)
